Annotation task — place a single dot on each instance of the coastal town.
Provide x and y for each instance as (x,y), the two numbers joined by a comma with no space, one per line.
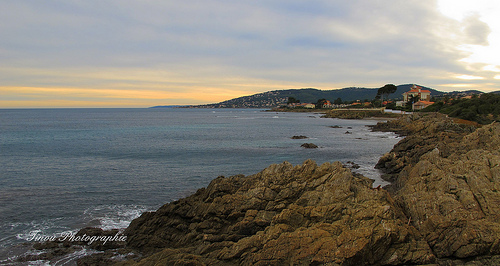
(415,99)
(406,97)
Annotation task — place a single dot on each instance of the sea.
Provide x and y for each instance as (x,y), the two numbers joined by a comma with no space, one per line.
(65,169)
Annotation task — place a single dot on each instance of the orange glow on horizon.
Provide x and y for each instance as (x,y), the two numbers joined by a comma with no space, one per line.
(44,97)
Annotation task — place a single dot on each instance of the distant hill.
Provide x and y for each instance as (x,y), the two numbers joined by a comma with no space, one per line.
(279,97)
(463,93)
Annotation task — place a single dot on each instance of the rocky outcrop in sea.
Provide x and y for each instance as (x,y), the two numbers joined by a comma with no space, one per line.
(442,208)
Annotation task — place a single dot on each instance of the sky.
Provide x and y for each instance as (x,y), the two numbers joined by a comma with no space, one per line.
(141,53)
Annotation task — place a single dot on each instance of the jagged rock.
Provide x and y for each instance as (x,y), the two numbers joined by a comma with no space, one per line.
(424,133)
(447,180)
(301,215)
(309,145)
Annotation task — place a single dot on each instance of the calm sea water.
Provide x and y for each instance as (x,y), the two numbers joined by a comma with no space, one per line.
(63,169)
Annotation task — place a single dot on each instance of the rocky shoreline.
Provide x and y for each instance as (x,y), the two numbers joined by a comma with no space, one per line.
(446,179)
(442,208)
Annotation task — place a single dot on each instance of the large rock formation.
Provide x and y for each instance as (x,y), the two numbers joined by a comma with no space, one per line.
(423,135)
(443,207)
(447,180)
(300,215)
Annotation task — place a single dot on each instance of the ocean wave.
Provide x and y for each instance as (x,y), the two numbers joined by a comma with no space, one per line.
(109,217)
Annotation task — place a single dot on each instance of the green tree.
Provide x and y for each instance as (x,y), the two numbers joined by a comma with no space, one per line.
(413,99)
(386,90)
(338,101)
(320,102)
(292,100)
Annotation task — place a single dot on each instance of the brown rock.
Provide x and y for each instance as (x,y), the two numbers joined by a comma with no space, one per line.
(447,181)
(305,214)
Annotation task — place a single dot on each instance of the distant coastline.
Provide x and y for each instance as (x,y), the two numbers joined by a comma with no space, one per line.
(169,106)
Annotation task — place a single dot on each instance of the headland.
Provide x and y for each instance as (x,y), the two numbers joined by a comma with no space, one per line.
(441,208)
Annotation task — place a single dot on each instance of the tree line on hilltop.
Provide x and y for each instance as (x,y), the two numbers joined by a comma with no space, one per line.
(482,109)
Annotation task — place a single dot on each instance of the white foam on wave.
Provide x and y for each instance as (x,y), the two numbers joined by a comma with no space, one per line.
(372,173)
(68,259)
(114,216)
(379,134)
(27,230)
(73,257)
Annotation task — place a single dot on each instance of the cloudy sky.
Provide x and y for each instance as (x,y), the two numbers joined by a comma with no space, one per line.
(140,53)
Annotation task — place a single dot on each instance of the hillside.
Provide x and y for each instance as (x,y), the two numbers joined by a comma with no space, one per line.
(483,110)
(279,97)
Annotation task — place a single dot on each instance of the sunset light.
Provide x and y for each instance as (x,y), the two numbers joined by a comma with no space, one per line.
(139,55)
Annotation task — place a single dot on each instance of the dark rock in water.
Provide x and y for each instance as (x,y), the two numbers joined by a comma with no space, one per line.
(336,126)
(351,165)
(299,137)
(284,215)
(348,132)
(309,146)
(349,127)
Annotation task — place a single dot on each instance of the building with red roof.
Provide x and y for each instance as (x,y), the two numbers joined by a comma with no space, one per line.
(423,95)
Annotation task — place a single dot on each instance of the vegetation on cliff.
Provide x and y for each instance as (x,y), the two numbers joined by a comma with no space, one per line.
(484,109)
(358,114)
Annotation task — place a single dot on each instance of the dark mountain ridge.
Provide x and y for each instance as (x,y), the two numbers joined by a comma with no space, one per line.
(277,98)
(309,95)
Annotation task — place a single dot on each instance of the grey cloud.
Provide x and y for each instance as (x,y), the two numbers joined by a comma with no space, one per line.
(476,31)
(324,41)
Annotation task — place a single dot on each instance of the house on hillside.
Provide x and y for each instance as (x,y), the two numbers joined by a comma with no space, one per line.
(423,95)
(303,105)
(421,105)
(327,104)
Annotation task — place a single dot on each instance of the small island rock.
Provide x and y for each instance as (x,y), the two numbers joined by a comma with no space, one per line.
(309,145)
